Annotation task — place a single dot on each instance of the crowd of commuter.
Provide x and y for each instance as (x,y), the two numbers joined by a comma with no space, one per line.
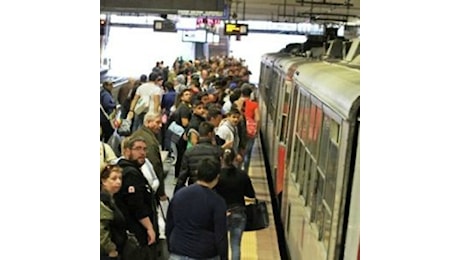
(203,117)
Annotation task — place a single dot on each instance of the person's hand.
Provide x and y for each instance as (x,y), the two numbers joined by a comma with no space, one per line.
(164,197)
(113,253)
(238,158)
(150,236)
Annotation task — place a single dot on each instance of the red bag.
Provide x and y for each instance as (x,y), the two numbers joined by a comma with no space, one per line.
(251,127)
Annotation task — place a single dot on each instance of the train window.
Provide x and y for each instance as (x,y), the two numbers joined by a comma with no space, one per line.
(319,215)
(300,115)
(335,132)
(327,228)
(314,187)
(273,95)
(283,129)
(295,153)
(300,166)
(324,143)
(305,111)
(287,94)
(331,175)
(292,123)
(314,128)
(307,179)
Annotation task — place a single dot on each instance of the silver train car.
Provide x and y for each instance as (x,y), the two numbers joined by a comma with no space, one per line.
(310,131)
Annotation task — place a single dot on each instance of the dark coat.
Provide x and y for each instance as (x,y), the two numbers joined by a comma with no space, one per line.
(136,201)
(192,159)
(107,103)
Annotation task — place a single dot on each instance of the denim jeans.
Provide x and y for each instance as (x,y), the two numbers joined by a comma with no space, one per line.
(173,256)
(248,153)
(236,222)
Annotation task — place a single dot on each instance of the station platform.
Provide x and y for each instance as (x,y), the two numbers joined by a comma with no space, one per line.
(255,245)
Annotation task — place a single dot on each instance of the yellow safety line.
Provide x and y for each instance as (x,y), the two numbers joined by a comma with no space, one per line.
(249,246)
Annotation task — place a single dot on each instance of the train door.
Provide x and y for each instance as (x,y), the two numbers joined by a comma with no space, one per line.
(292,113)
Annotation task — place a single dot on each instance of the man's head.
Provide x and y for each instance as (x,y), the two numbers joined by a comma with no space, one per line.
(135,150)
(208,171)
(198,108)
(186,95)
(214,116)
(206,129)
(108,85)
(234,116)
(246,90)
(152,120)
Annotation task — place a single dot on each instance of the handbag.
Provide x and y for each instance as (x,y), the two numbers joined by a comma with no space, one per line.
(177,131)
(111,117)
(251,127)
(125,127)
(142,105)
(115,143)
(256,216)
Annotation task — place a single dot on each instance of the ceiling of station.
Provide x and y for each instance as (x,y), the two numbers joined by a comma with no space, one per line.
(294,11)
(321,11)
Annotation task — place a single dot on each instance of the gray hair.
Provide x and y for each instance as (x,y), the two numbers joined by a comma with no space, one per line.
(150,116)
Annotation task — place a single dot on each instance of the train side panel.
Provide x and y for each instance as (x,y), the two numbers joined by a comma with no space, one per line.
(311,135)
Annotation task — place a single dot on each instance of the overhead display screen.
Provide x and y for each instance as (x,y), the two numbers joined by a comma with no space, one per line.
(236,29)
(194,36)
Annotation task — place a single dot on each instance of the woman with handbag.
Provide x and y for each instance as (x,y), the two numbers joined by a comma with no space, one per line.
(112,227)
(108,106)
(234,184)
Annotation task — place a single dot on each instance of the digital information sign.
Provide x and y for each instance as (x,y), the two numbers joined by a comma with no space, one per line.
(236,29)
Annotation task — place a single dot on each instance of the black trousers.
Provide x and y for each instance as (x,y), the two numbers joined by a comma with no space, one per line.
(181,147)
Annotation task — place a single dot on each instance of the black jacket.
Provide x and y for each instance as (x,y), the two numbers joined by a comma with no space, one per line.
(234,184)
(136,200)
(117,226)
(192,159)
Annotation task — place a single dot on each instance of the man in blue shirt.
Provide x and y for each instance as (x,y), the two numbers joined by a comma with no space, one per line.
(196,224)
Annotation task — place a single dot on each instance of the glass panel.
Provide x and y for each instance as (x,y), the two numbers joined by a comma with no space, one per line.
(305,107)
(319,207)
(331,175)
(283,129)
(286,98)
(300,115)
(311,125)
(308,177)
(295,156)
(273,95)
(313,185)
(335,132)
(327,228)
(291,125)
(315,131)
(300,173)
(324,143)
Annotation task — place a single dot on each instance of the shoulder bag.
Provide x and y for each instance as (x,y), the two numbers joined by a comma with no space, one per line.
(257,216)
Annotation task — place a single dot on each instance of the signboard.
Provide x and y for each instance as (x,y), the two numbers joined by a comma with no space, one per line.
(236,29)
(164,26)
(194,36)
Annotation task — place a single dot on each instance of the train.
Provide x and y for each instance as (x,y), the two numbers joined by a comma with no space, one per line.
(310,132)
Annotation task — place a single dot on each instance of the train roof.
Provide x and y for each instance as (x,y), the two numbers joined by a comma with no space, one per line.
(286,62)
(335,85)
(271,57)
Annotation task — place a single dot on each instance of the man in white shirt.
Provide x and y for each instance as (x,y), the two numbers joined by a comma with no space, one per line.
(151,91)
